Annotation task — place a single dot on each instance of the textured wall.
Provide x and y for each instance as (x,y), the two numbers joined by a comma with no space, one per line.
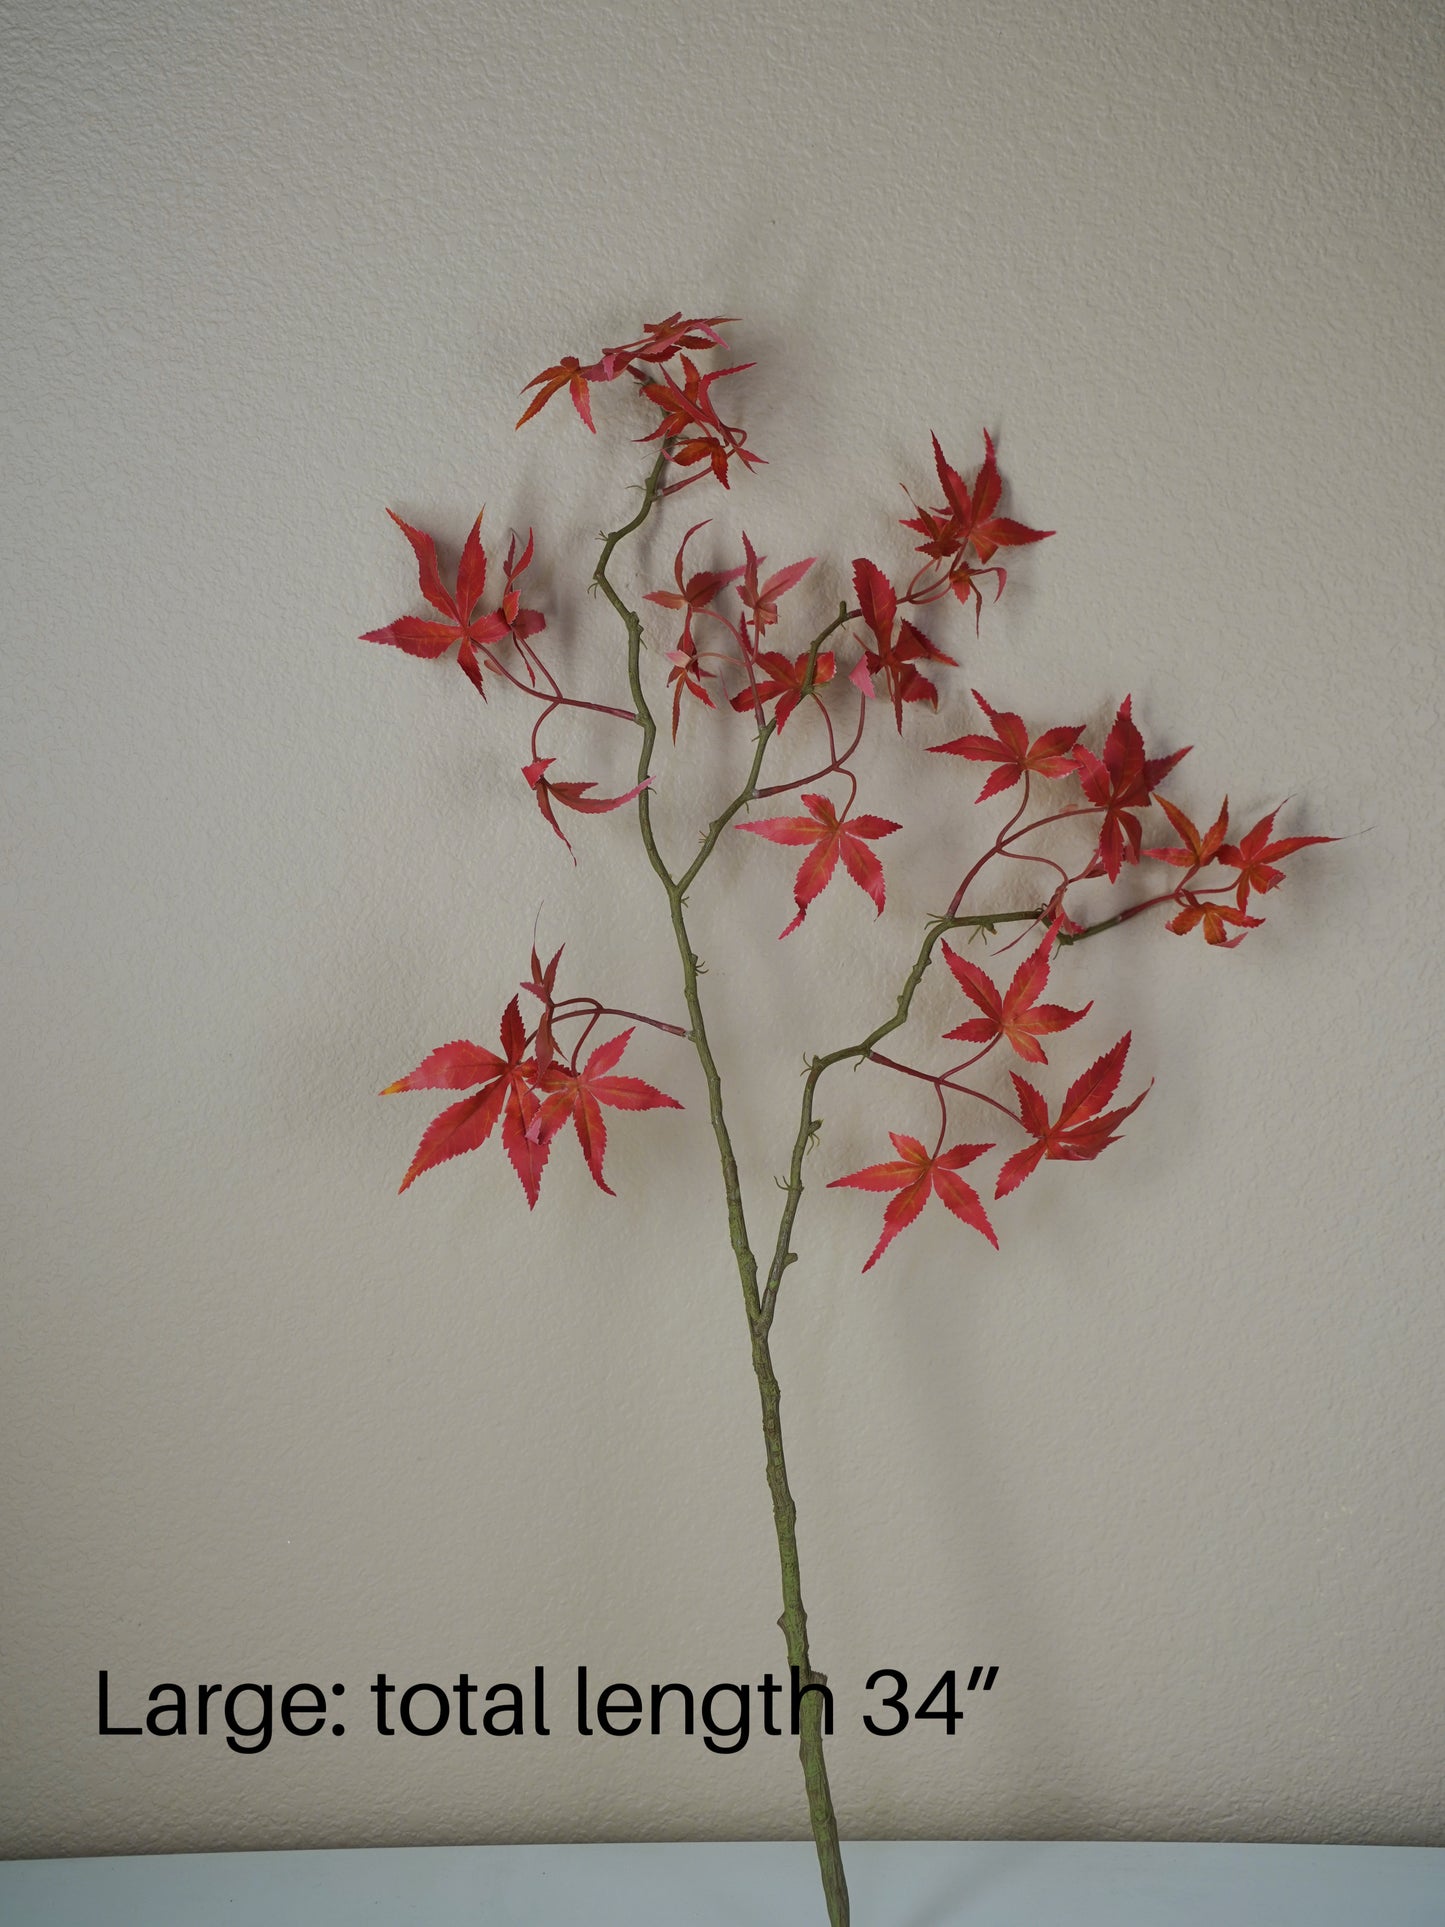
(1172,1458)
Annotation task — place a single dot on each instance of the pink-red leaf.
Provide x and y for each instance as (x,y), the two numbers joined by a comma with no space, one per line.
(471,573)
(505,1080)
(473,632)
(579,1094)
(1082,1128)
(425,551)
(450,1067)
(1016,1016)
(572,796)
(461,1127)
(527,1148)
(416,636)
(1050,754)
(875,598)
(829,838)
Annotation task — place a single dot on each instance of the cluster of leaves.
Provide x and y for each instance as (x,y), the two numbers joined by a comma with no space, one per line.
(535,1086)
(482,637)
(724,659)
(484,641)
(1117,783)
(690,425)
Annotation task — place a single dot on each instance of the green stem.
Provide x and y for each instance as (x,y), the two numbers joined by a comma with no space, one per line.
(761,1305)
(794,1619)
(765,736)
(809,1124)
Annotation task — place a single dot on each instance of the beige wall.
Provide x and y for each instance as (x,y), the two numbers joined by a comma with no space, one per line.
(1172,1459)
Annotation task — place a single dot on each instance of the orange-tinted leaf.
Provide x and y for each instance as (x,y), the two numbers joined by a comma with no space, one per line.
(1215,919)
(1195,850)
(915,1176)
(1256,855)
(568,373)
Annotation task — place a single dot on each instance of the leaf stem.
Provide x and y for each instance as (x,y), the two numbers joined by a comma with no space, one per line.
(940,1083)
(557,701)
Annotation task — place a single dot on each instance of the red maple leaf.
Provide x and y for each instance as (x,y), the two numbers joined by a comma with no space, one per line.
(1217,919)
(663,339)
(686,677)
(968,517)
(660,341)
(542,984)
(1194,850)
(689,407)
(1082,1128)
(830,839)
(521,623)
(1017,1015)
(1009,746)
(691,423)
(568,373)
(898,646)
(761,602)
(916,1177)
(507,1091)
(572,796)
(697,593)
(1123,781)
(1255,856)
(580,1094)
(784,679)
(421,638)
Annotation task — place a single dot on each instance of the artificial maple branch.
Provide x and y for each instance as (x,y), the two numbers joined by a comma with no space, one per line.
(534,1089)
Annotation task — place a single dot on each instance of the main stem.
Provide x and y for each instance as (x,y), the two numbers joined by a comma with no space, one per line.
(761,1303)
(794,1618)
